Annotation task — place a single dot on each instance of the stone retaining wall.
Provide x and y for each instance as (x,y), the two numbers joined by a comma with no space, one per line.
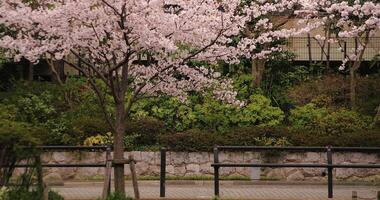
(199,163)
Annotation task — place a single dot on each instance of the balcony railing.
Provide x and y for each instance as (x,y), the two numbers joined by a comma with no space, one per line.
(299,46)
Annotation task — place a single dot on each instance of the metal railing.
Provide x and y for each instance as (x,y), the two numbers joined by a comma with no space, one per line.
(107,149)
(107,164)
(307,49)
(329,165)
(217,165)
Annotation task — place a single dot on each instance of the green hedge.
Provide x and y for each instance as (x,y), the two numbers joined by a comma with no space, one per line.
(197,140)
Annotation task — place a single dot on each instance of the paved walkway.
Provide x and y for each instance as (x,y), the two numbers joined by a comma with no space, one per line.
(204,190)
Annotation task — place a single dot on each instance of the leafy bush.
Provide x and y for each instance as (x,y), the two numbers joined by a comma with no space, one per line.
(332,86)
(35,108)
(214,116)
(368,93)
(19,133)
(304,117)
(176,115)
(191,140)
(22,194)
(368,138)
(3,192)
(322,121)
(198,140)
(106,139)
(256,136)
(8,112)
(144,131)
(333,91)
(209,114)
(282,73)
(259,112)
(14,137)
(86,126)
(54,196)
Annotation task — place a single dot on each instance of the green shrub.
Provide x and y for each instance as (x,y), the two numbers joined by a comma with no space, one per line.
(35,108)
(201,140)
(8,112)
(322,121)
(14,137)
(3,192)
(22,194)
(259,112)
(145,131)
(213,115)
(55,196)
(333,91)
(19,133)
(256,136)
(368,93)
(191,140)
(86,126)
(345,121)
(335,87)
(209,114)
(177,116)
(306,117)
(368,138)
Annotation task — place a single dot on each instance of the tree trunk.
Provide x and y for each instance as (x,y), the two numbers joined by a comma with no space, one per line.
(258,67)
(30,72)
(309,49)
(119,147)
(377,116)
(352,88)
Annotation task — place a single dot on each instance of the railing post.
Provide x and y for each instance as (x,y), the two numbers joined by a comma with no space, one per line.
(354,195)
(40,182)
(107,176)
(132,166)
(329,172)
(216,172)
(163,172)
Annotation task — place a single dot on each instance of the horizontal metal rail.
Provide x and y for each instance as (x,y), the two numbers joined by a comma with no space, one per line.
(72,148)
(61,165)
(329,165)
(275,165)
(300,148)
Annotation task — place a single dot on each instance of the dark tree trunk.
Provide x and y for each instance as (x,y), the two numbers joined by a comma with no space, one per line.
(309,49)
(258,67)
(377,116)
(119,147)
(353,87)
(30,72)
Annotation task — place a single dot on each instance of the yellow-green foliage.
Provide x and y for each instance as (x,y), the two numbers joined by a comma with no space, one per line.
(3,193)
(99,140)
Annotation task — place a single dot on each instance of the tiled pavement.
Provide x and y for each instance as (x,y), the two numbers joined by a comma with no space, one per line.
(150,190)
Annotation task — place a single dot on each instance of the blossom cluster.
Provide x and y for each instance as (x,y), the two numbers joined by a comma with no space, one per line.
(109,36)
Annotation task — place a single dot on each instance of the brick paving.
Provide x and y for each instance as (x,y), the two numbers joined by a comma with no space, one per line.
(150,190)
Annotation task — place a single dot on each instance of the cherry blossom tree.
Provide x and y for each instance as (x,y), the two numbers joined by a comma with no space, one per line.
(356,20)
(263,32)
(108,37)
